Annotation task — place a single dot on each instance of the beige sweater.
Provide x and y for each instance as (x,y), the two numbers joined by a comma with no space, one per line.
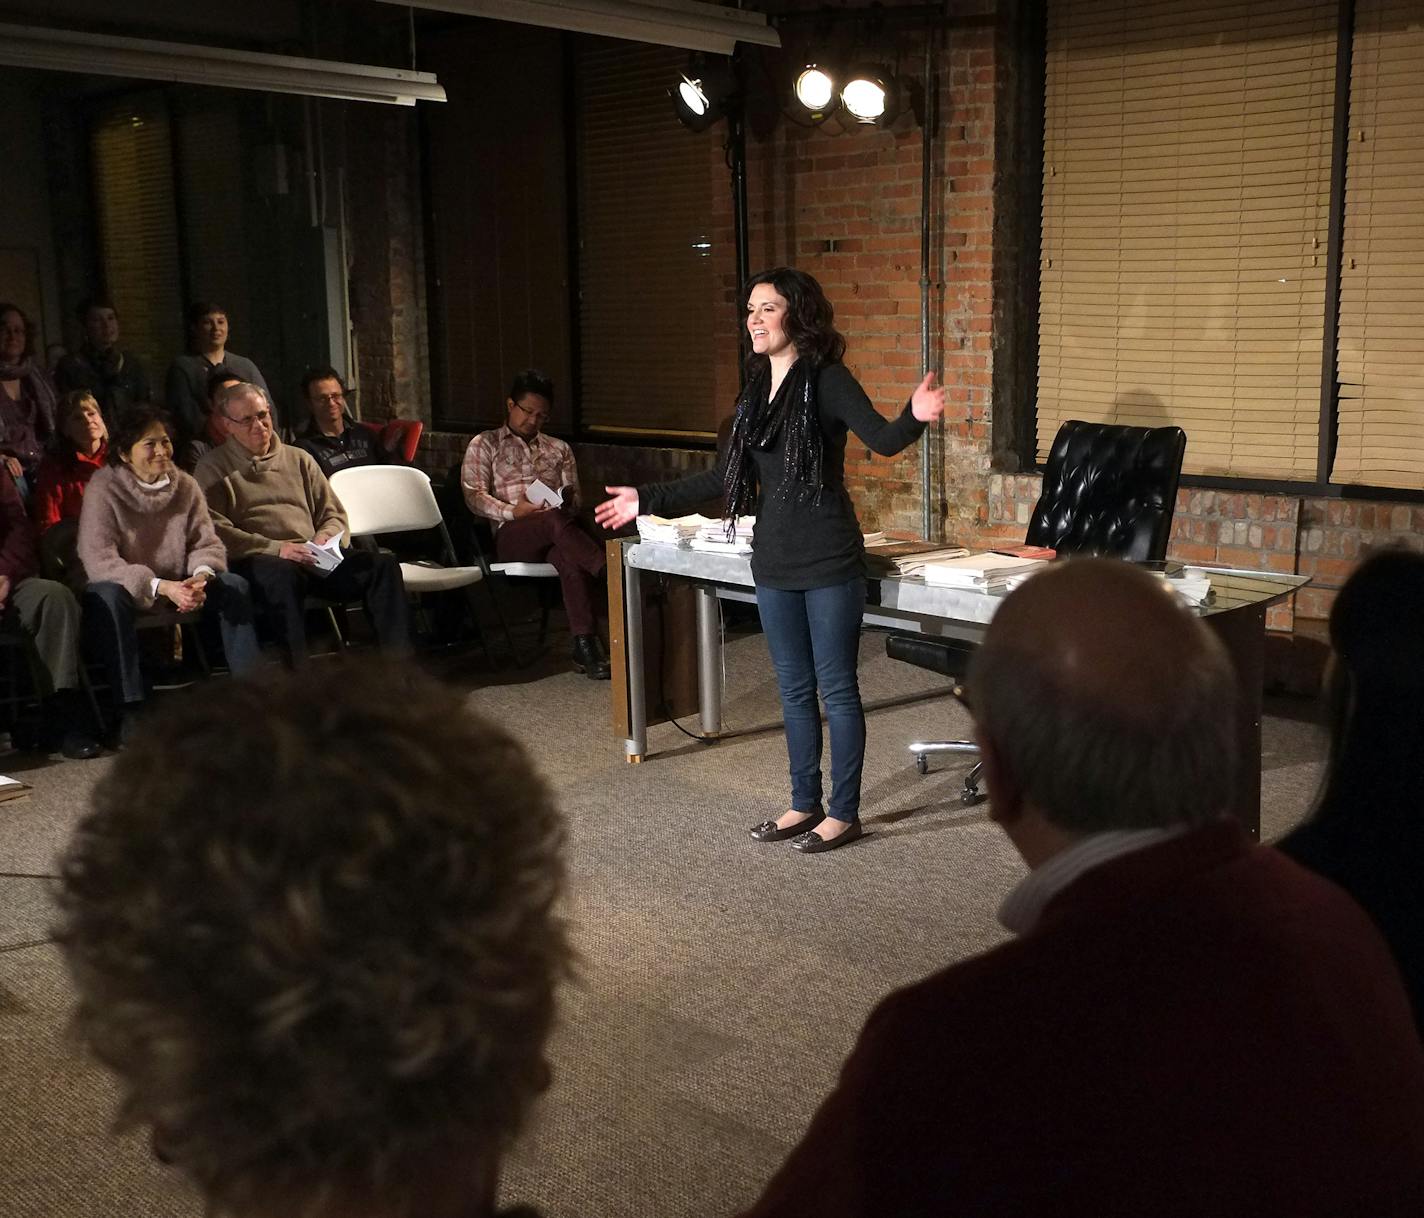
(258,503)
(131,535)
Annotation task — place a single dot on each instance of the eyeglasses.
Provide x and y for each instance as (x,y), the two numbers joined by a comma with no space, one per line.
(252,420)
(329,397)
(541,415)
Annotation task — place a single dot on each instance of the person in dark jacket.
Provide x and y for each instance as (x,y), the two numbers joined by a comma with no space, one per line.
(115,377)
(332,436)
(785,464)
(1367,830)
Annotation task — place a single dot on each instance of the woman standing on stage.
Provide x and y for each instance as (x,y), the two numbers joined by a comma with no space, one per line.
(785,463)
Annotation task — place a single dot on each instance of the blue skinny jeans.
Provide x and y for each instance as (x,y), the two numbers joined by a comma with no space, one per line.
(814,639)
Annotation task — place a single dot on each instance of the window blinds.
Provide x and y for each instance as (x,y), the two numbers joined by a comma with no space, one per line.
(649,300)
(1380,353)
(1185,218)
(132,157)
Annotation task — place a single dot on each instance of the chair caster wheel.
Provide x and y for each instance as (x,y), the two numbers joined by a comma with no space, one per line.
(970,798)
(922,763)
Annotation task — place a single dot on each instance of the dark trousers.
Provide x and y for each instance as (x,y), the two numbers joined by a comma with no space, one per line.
(109,617)
(555,537)
(814,640)
(280,587)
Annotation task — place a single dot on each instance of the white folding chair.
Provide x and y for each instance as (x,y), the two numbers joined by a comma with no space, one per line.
(398,499)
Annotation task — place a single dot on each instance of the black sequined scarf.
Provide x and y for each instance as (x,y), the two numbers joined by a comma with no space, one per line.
(758,422)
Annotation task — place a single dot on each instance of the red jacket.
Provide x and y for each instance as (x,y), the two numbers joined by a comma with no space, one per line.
(60,483)
(1200,1029)
(19,556)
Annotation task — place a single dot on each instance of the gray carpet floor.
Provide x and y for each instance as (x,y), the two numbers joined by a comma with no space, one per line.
(721,982)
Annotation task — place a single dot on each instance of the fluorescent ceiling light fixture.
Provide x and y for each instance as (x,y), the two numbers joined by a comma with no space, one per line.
(691,24)
(184,63)
(814,87)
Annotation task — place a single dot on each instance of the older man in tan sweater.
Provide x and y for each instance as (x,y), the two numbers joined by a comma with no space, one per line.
(269,500)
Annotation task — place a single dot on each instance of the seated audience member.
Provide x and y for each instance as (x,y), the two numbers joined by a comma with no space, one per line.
(27,397)
(1367,831)
(214,425)
(48,612)
(116,378)
(80,448)
(186,387)
(1187,1023)
(332,436)
(329,994)
(499,467)
(268,501)
(145,537)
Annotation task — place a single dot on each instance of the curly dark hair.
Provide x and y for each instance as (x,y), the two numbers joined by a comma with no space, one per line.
(312,925)
(810,317)
(130,426)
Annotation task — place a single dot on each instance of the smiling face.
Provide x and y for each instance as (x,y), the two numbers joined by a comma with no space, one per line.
(101,327)
(327,400)
(151,456)
(249,418)
(84,427)
(14,337)
(766,321)
(210,331)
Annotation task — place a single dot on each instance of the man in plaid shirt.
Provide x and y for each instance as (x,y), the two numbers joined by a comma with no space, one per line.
(499,468)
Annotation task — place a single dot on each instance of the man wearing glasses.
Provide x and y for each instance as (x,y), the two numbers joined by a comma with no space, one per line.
(333,437)
(269,500)
(499,469)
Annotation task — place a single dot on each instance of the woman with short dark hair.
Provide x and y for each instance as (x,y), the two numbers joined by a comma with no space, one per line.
(1367,830)
(186,386)
(784,463)
(145,538)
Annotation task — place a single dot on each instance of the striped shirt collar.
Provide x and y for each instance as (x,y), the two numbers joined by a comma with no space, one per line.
(1020,911)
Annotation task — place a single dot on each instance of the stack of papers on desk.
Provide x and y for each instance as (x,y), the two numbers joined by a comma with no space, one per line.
(980,572)
(1193,585)
(712,537)
(906,557)
(662,530)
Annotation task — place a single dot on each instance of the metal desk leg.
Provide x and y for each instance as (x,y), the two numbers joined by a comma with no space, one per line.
(709,662)
(636,744)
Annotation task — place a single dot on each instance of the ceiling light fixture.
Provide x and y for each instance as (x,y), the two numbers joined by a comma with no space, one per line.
(186,63)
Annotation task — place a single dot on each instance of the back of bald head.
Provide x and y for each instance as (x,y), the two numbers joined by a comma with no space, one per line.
(1108,703)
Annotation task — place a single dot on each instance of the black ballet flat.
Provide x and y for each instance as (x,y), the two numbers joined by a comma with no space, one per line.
(814,843)
(768,832)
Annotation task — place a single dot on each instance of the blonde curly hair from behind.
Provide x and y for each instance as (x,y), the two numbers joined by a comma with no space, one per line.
(313,926)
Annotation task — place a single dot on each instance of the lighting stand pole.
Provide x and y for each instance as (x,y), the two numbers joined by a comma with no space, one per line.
(737,162)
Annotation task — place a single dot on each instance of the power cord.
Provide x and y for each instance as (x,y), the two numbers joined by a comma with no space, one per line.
(664,706)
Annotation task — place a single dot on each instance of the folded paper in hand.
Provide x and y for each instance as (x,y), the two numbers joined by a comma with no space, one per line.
(328,555)
(541,492)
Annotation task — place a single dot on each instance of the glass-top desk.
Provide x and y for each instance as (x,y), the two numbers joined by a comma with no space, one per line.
(1236,611)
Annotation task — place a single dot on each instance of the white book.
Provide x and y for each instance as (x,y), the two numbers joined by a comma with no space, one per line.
(539,491)
(328,555)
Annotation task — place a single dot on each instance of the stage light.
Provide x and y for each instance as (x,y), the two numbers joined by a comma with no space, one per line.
(814,87)
(704,93)
(872,96)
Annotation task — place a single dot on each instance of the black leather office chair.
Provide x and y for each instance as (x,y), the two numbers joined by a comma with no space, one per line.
(1108,490)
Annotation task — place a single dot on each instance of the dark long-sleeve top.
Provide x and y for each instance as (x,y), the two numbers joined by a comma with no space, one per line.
(19,553)
(797,544)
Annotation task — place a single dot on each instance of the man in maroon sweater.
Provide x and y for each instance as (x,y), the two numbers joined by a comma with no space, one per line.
(1187,1024)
